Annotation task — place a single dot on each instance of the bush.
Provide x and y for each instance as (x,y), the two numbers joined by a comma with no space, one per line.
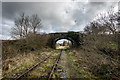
(31,43)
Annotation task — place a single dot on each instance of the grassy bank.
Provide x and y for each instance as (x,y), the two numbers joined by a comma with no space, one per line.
(100,55)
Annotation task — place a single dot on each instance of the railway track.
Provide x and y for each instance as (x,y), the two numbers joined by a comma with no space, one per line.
(42,61)
(54,66)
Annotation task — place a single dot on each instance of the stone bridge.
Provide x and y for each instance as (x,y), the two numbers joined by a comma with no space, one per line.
(74,37)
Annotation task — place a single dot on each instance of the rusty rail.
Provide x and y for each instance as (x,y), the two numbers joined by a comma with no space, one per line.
(54,66)
(32,67)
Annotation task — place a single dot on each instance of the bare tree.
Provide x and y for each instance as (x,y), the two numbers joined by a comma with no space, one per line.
(87,29)
(35,23)
(24,24)
(106,22)
(109,21)
(17,30)
(93,28)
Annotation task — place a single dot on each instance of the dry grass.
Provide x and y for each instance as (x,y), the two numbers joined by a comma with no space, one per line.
(19,63)
(97,62)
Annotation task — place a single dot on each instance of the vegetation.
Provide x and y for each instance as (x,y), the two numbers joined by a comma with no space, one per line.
(31,43)
(103,34)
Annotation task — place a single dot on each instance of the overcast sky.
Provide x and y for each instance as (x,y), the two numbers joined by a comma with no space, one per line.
(55,16)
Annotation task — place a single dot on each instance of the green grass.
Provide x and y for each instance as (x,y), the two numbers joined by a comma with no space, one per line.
(113,45)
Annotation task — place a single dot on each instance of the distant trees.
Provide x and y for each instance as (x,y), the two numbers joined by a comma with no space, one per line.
(25,25)
(65,43)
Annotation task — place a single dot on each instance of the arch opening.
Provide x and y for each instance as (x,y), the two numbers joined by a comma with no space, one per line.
(63,44)
(69,41)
